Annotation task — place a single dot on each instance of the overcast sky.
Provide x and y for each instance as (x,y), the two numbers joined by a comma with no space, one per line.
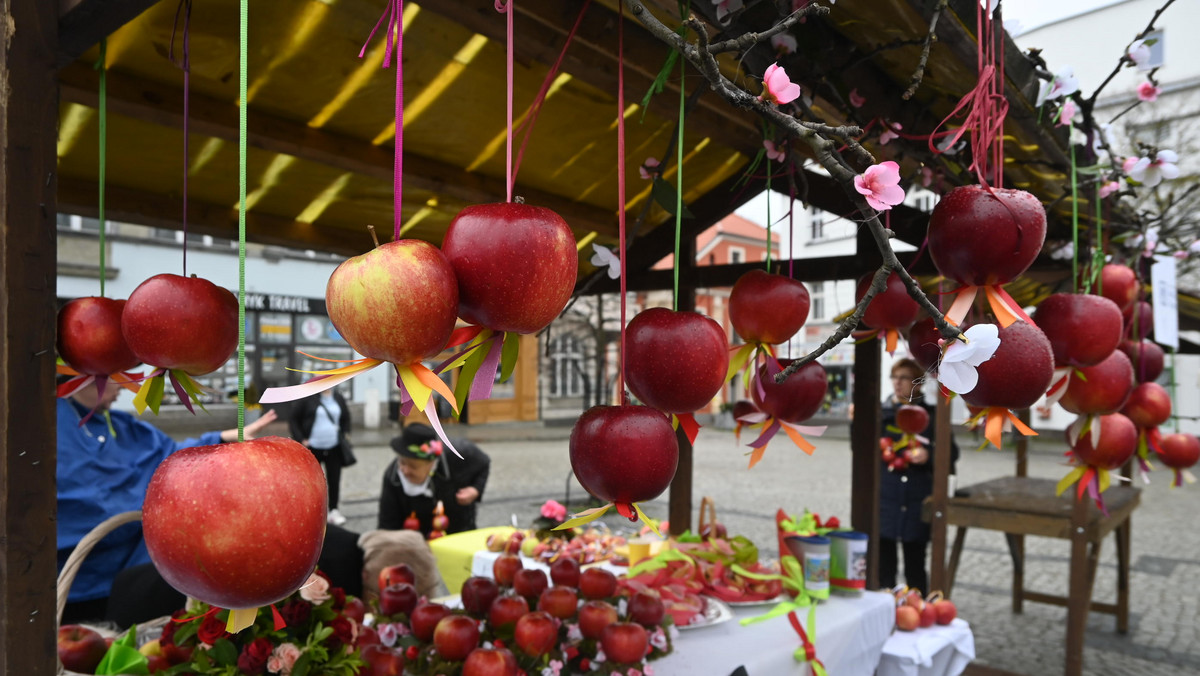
(1034,13)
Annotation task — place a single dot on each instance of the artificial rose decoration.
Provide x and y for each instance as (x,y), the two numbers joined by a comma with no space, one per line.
(283,658)
(777,87)
(253,660)
(316,590)
(880,184)
(211,630)
(1147,92)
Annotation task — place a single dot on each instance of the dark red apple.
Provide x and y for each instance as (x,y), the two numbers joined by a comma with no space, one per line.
(646,608)
(912,419)
(80,648)
(505,568)
(561,602)
(366,636)
(983,236)
(928,616)
(513,544)
(675,361)
(411,522)
(624,454)
(1103,388)
(157,663)
(185,323)
(1118,441)
(355,609)
(530,582)
(923,343)
(1119,284)
(1139,320)
(891,308)
(794,400)
(236,525)
(714,529)
(597,583)
(506,610)
(946,611)
(516,265)
(1018,373)
(401,572)
(536,633)
(1179,451)
(398,598)
(478,594)
(767,308)
(398,302)
(1082,329)
(594,616)
(490,662)
(743,407)
(625,642)
(455,637)
(382,660)
(564,571)
(90,337)
(1147,358)
(908,618)
(424,619)
(1148,405)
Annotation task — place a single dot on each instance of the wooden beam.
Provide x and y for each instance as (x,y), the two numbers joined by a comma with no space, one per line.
(163,105)
(28,137)
(82,23)
(128,205)
(865,430)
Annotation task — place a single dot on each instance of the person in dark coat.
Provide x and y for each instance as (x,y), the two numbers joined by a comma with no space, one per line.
(903,491)
(425,473)
(322,423)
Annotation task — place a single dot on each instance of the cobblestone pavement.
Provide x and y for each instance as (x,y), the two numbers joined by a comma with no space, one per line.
(1164,631)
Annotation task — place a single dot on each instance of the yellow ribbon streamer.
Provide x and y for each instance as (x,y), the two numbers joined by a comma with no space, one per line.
(240,618)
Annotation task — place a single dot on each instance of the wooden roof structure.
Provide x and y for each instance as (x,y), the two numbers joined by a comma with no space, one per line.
(320,161)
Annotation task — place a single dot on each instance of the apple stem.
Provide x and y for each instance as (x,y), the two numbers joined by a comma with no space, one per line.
(374,237)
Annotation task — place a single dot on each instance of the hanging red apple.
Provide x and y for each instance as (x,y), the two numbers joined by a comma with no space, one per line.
(891,308)
(1139,320)
(1102,388)
(797,398)
(986,236)
(1118,441)
(1018,373)
(1119,284)
(912,419)
(236,525)
(516,265)
(624,454)
(397,302)
(675,361)
(181,323)
(923,343)
(767,308)
(1082,329)
(1147,358)
(1179,451)
(1148,405)
(90,337)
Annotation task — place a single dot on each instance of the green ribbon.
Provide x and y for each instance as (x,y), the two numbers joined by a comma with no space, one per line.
(678,180)
(1074,213)
(123,657)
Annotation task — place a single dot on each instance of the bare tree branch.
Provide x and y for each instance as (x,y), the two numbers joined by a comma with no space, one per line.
(919,74)
(748,40)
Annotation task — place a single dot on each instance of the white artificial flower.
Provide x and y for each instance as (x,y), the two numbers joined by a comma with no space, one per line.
(1064,84)
(957,369)
(605,258)
(1139,54)
(1150,172)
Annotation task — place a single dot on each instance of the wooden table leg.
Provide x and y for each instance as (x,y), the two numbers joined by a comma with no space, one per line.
(1079,595)
(1016,549)
(1123,534)
(960,534)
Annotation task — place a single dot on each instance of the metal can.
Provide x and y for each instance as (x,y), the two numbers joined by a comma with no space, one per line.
(848,562)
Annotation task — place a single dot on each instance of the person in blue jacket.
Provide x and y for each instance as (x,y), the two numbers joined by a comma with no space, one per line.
(104,467)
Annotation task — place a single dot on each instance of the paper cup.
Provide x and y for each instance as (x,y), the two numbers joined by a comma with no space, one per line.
(638,551)
(848,562)
(813,554)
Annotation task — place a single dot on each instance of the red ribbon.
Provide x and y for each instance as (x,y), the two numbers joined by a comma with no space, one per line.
(810,649)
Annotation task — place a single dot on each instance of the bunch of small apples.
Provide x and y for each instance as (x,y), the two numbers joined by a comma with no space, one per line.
(913,611)
(911,420)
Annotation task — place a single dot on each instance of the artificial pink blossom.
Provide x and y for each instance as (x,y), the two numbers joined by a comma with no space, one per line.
(776,153)
(649,168)
(315,590)
(1139,54)
(554,511)
(1150,172)
(388,634)
(1067,113)
(889,132)
(1146,91)
(1109,188)
(857,100)
(777,88)
(1129,163)
(784,43)
(880,184)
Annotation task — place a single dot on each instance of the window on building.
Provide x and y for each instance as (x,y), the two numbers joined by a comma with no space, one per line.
(566,369)
(816,224)
(1158,50)
(736,255)
(817,294)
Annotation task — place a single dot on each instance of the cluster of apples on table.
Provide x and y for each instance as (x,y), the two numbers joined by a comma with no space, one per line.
(590,545)
(914,612)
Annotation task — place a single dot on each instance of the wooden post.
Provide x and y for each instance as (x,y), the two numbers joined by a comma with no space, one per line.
(865,430)
(680,509)
(1079,594)
(28,261)
(941,480)
(1016,541)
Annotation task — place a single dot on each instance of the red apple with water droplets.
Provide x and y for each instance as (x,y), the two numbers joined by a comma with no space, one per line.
(1139,320)
(923,343)
(767,308)
(1179,450)
(624,454)
(397,302)
(455,637)
(1147,358)
(597,583)
(185,323)
(912,419)
(675,361)
(1082,329)
(506,610)
(1148,405)
(516,265)
(530,582)
(478,594)
(424,620)
(564,571)
(891,308)
(505,568)
(90,338)
(797,398)
(206,511)
(382,660)
(982,236)
(398,598)
(1103,388)
(1018,373)
(1119,284)
(490,662)
(1118,441)
(594,616)
(624,642)
(536,633)
(560,602)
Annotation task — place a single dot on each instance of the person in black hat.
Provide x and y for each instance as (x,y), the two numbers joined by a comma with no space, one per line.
(424,473)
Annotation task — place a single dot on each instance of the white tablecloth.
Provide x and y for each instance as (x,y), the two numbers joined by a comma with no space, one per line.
(935,651)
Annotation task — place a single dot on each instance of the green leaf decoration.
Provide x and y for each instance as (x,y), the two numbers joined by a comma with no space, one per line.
(470,367)
(302,666)
(509,354)
(123,657)
(660,81)
(190,386)
(664,194)
(155,394)
(224,652)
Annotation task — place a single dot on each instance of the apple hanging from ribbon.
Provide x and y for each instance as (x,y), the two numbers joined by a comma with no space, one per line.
(765,310)
(783,405)
(91,343)
(1082,329)
(1179,452)
(623,455)
(1098,453)
(183,327)
(1015,377)
(889,312)
(237,525)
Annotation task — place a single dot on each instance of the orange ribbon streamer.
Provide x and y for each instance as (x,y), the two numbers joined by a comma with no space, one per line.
(994,429)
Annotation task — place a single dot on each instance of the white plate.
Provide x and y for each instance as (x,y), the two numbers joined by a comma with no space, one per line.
(751,604)
(716,611)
